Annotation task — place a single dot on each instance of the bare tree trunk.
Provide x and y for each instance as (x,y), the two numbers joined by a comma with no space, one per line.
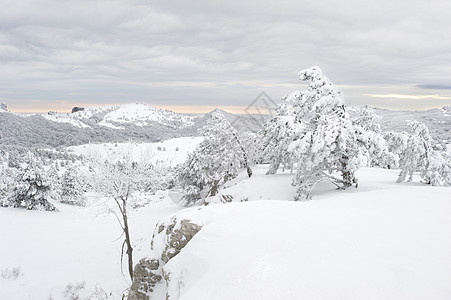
(127,237)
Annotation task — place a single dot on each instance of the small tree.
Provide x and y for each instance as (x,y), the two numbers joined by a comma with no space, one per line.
(276,136)
(415,153)
(34,189)
(117,178)
(369,136)
(72,187)
(216,160)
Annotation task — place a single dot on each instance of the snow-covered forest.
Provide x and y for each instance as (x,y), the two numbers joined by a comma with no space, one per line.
(323,201)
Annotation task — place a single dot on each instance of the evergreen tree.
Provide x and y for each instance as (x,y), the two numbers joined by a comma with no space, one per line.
(369,136)
(216,160)
(72,187)
(33,190)
(276,136)
(324,141)
(415,152)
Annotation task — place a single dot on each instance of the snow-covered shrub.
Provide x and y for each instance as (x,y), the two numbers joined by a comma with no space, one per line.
(72,187)
(416,154)
(216,160)
(11,273)
(33,189)
(82,291)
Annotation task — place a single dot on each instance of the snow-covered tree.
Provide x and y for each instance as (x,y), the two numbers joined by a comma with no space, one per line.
(216,160)
(33,189)
(370,138)
(276,136)
(117,178)
(324,142)
(415,152)
(72,187)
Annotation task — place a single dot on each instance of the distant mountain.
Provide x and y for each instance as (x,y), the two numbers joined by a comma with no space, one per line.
(137,122)
(145,123)
(118,117)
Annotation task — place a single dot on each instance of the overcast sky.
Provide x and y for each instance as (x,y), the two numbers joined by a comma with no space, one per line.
(56,54)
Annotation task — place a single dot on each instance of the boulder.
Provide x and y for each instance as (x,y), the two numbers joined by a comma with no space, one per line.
(167,241)
(76,108)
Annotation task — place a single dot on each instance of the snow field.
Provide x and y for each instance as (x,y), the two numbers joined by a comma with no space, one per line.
(384,241)
(173,151)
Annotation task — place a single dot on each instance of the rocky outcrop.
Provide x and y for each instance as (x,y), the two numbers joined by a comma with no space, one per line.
(167,241)
(146,275)
(179,234)
(77,108)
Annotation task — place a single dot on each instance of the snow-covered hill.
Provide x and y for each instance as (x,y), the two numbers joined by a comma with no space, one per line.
(134,113)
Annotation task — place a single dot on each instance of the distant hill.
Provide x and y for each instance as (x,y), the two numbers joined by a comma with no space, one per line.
(140,123)
(437,120)
(145,123)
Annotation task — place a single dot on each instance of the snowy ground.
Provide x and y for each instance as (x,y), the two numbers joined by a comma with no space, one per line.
(380,241)
(173,151)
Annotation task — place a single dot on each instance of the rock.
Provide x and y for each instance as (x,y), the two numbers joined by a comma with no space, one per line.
(76,108)
(178,238)
(3,107)
(145,277)
(171,239)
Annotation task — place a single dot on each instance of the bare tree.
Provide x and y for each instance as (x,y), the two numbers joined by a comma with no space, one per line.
(117,178)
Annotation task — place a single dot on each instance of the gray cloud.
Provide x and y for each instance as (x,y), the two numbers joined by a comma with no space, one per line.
(209,53)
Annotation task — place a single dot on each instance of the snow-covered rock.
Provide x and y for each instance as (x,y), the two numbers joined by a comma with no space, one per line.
(168,240)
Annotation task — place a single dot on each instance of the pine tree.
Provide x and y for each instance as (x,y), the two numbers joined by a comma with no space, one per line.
(276,136)
(33,190)
(369,136)
(72,187)
(324,142)
(216,160)
(415,152)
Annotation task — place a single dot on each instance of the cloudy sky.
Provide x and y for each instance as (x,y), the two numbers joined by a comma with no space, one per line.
(195,55)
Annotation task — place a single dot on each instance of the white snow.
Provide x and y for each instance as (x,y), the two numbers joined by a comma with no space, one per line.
(380,241)
(65,118)
(173,151)
(143,115)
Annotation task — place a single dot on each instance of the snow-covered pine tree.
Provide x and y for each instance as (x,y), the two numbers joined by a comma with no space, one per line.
(216,160)
(276,136)
(369,136)
(33,189)
(415,152)
(325,141)
(72,187)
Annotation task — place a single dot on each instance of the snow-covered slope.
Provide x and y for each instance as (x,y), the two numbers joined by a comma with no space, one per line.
(380,241)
